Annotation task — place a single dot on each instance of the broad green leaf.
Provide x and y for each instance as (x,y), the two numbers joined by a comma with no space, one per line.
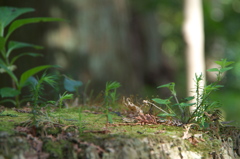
(32,72)
(161,101)
(8,14)
(10,73)
(24,54)
(8,92)
(71,85)
(18,23)
(213,70)
(13,45)
(225,69)
(166,115)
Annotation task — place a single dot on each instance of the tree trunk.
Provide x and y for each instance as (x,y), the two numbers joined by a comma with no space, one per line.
(194,37)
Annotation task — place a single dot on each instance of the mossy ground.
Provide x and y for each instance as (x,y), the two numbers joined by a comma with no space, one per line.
(93,128)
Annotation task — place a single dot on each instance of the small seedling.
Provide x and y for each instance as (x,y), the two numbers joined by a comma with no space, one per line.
(203,103)
(110,98)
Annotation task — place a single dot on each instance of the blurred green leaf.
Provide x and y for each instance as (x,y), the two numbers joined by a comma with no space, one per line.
(8,92)
(2,43)
(10,73)
(112,85)
(32,72)
(213,70)
(24,54)
(109,116)
(189,98)
(18,23)
(13,45)
(8,100)
(182,105)
(71,85)
(225,69)
(161,101)
(166,115)
(8,14)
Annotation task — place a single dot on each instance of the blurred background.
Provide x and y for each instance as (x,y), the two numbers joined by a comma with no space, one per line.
(137,43)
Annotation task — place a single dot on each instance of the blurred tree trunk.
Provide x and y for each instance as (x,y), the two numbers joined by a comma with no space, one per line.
(118,49)
(103,35)
(194,37)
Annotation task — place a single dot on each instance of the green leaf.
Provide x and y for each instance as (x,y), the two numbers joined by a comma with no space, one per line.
(109,116)
(8,92)
(8,14)
(18,23)
(13,45)
(10,73)
(224,62)
(24,54)
(32,72)
(161,101)
(186,104)
(169,85)
(112,85)
(213,70)
(67,96)
(71,85)
(225,69)
(8,100)
(189,98)
(166,115)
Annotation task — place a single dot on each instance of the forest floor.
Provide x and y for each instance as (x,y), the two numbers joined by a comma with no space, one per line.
(68,133)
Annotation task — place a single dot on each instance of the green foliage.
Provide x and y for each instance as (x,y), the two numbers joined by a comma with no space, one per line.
(36,88)
(110,97)
(64,97)
(7,60)
(202,103)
